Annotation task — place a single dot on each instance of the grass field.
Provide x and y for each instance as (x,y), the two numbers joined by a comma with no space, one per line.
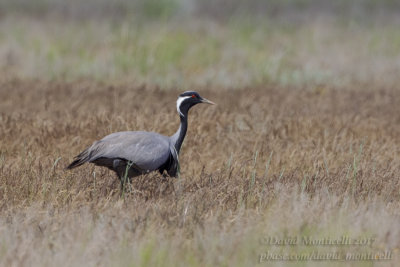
(303,142)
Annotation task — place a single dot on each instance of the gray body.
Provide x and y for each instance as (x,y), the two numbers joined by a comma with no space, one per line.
(138,152)
(144,151)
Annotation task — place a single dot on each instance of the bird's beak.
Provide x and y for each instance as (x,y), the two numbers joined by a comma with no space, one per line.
(206,101)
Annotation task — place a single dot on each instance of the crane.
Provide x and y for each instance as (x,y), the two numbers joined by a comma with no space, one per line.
(132,153)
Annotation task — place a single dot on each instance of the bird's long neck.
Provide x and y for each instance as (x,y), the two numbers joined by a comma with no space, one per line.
(178,137)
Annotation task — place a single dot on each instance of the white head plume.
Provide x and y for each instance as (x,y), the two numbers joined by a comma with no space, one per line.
(179,102)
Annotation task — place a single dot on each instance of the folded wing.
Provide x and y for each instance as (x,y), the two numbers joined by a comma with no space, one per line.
(147,150)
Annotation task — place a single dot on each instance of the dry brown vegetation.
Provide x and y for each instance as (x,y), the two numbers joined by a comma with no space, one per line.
(303,142)
(265,161)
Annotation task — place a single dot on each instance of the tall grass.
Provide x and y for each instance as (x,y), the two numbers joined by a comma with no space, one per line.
(250,169)
(196,50)
(306,145)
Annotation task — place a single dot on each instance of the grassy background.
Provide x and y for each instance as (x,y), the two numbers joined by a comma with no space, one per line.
(304,140)
(195,43)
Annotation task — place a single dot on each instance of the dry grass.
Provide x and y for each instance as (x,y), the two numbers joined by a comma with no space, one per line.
(265,161)
(188,53)
(304,140)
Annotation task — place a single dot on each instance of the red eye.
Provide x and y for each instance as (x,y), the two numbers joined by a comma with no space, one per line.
(193,96)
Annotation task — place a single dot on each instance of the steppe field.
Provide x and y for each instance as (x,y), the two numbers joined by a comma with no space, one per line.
(298,164)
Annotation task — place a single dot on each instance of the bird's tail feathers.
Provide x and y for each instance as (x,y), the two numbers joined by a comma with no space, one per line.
(79,160)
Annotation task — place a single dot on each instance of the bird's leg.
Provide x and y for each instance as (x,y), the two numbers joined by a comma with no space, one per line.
(128,186)
(125,179)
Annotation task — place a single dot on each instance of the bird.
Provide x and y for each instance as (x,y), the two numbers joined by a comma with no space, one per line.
(133,153)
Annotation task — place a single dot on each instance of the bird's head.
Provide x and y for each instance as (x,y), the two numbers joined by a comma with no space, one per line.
(187,100)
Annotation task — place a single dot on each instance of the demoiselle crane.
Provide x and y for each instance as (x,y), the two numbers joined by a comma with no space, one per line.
(132,153)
